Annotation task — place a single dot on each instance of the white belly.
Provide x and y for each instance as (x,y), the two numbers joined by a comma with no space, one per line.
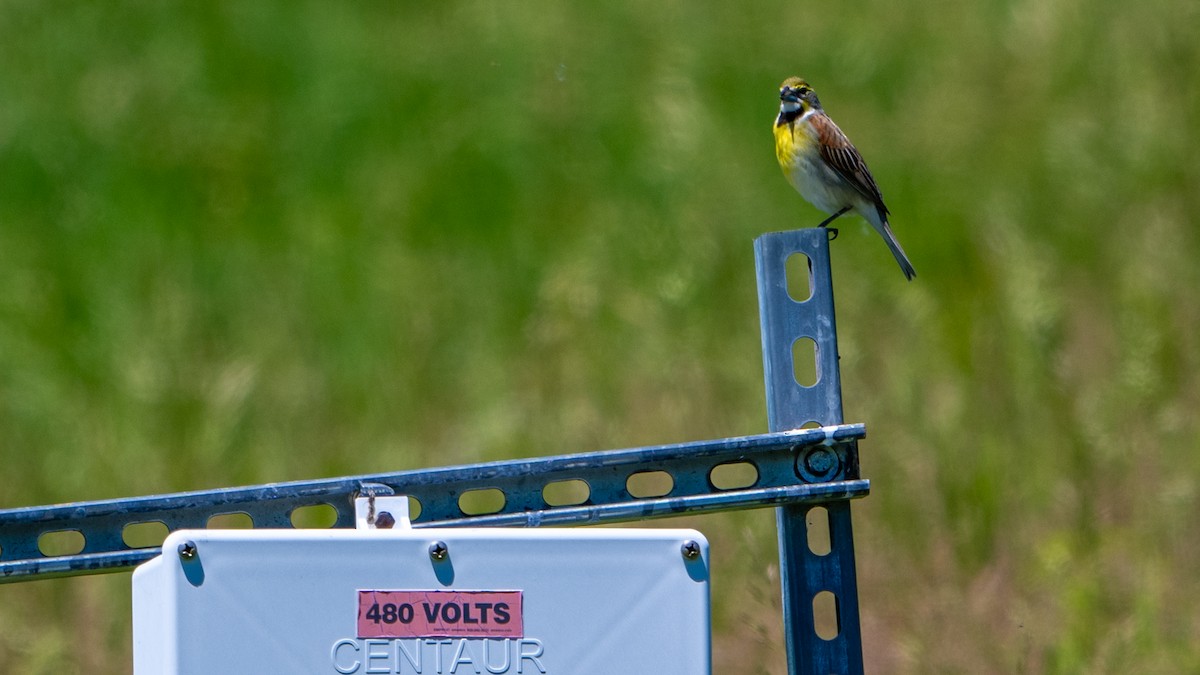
(822,186)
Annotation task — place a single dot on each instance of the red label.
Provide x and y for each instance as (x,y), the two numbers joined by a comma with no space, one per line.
(427,614)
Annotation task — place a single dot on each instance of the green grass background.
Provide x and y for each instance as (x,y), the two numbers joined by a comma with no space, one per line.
(260,241)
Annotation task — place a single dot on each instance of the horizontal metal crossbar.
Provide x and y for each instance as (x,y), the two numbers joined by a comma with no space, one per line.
(805,465)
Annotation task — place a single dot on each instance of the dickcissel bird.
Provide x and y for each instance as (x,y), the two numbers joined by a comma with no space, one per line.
(825,167)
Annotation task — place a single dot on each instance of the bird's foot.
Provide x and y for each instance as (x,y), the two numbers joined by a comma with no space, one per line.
(832,232)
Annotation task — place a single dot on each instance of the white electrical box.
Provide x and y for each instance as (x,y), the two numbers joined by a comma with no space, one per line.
(463,601)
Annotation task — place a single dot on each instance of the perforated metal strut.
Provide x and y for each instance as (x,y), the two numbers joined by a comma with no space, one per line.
(438,492)
(790,405)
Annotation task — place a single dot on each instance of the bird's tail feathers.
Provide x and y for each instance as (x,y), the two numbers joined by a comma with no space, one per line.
(880,223)
(894,246)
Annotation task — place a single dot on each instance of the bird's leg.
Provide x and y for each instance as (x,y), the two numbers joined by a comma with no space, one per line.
(833,232)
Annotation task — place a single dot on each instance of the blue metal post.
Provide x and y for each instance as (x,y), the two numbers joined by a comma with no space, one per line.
(790,405)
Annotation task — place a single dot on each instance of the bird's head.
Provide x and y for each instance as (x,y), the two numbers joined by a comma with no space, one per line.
(796,98)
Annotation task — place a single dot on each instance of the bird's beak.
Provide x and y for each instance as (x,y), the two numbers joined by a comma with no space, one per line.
(789,95)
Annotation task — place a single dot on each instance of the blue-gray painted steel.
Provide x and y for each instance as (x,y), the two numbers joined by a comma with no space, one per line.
(790,405)
(775,457)
(785,320)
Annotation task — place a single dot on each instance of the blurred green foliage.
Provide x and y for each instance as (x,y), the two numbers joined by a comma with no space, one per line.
(250,242)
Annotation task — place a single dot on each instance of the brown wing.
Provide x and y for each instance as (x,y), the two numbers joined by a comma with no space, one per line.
(839,153)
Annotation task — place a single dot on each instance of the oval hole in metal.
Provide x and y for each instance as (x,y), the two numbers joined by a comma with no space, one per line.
(804,362)
(481,502)
(146,534)
(313,516)
(798,270)
(817,522)
(566,492)
(61,542)
(414,508)
(825,615)
(236,520)
(733,475)
(645,484)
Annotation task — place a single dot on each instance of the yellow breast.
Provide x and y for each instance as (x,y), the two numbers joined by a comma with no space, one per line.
(792,142)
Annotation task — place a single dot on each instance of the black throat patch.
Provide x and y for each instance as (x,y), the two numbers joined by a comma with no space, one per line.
(787,117)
